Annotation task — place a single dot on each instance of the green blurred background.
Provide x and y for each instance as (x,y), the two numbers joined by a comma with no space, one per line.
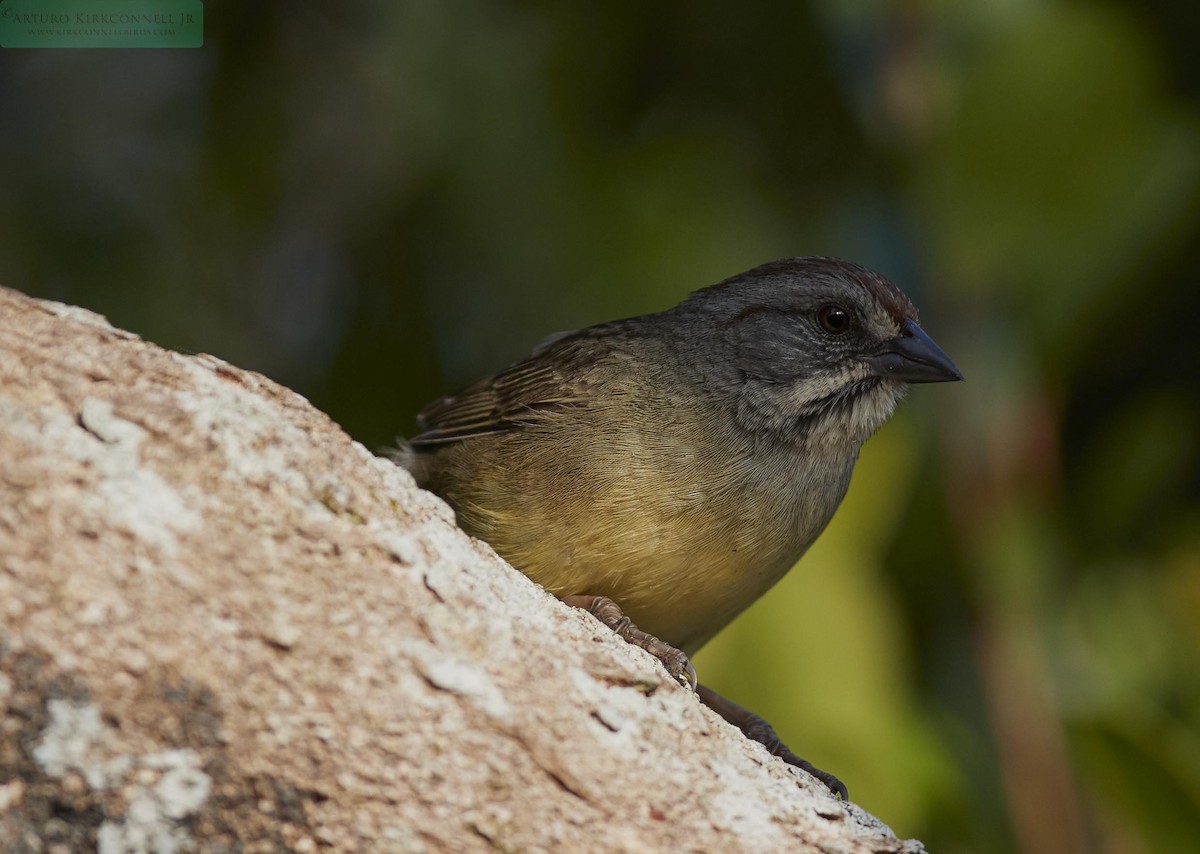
(996,643)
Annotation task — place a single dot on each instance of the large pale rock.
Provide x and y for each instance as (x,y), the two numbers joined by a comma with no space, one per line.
(225,626)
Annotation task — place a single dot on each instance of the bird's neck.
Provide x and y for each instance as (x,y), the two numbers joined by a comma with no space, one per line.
(835,425)
(848,421)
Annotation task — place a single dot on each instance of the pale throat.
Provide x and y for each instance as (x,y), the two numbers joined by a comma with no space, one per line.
(850,420)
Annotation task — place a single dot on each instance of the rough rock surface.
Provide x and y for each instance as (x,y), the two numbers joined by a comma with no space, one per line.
(225,626)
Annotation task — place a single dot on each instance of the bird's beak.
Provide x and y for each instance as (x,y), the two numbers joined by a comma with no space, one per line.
(913,358)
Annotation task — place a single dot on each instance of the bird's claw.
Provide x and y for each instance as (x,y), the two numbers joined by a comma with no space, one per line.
(608,612)
(757,728)
(677,664)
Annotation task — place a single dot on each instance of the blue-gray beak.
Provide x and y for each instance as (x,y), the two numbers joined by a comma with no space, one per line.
(913,357)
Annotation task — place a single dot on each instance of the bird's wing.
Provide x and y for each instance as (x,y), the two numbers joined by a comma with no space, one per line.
(549,380)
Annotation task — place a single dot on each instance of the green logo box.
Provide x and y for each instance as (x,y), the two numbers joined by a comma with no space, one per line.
(101,23)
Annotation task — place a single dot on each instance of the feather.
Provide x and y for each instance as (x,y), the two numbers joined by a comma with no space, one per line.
(553,379)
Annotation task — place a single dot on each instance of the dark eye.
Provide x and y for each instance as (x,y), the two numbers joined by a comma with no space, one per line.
(833,319)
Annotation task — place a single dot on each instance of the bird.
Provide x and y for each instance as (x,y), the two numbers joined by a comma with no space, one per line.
(662,472)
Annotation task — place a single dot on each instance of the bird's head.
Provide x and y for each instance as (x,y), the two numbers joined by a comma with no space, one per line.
(815,344)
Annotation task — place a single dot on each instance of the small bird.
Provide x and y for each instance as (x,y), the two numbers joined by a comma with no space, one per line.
(664,471)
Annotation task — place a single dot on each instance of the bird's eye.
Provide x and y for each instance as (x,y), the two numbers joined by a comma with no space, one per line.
(834,319)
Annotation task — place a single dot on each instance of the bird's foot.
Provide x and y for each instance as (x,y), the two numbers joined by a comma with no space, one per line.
(609,613)
(756,728)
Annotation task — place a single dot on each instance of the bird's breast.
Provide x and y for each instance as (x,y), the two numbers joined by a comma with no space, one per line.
(682,538)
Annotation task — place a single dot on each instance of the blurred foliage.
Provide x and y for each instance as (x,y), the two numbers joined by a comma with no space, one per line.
(996,642)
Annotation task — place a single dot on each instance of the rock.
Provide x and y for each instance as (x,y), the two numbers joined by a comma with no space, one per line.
(226,626)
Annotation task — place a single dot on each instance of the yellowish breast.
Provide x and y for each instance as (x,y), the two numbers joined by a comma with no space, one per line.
(682,541)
